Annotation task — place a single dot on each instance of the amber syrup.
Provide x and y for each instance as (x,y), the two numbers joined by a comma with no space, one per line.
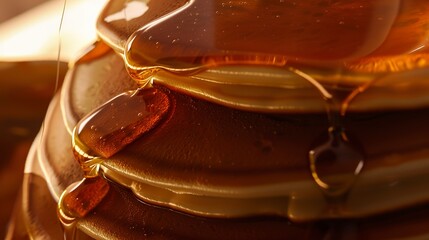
(100,135)
(352,37)
(335,165)
(338,37)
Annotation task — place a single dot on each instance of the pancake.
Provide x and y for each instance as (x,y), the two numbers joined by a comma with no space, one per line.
(197,119)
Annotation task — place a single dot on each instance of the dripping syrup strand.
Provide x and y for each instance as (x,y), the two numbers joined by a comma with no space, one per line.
(78,200)
(325,94)
(81,198)
(60,45)
(360,89)
(58,65)
(54,92)
(68,223)
(337,147)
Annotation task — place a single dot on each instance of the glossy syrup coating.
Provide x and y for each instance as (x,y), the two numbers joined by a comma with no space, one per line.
(119,122)
(367,35)
(139,220)
(308,48)
(199,169)
(192,163)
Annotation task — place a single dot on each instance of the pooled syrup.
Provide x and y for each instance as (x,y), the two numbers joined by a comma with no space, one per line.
(98,136)
(360,36)
(339,38)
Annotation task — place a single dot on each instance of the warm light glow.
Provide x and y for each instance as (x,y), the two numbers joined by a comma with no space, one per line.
(34,35)
(133,9)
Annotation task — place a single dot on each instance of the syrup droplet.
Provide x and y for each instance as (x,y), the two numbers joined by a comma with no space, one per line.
(116,124)
(78,200)
(335,164)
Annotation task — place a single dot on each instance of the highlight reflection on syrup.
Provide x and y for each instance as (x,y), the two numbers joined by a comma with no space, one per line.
(215,33)
(101,134)
(78,200)
(116,124)
(352,43)
(334,164)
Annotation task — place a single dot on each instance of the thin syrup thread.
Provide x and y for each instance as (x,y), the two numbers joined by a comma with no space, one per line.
(335,122)
(325,94)
(360,89)
(57,77)
(59,46)
(355,93)
(42,128)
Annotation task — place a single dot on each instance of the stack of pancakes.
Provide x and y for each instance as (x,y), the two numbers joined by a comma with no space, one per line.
(239,120)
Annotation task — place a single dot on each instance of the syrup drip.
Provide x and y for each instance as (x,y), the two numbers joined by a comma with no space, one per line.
(101,134)
(335,164)
(195,42)
(116,124)
(78,200)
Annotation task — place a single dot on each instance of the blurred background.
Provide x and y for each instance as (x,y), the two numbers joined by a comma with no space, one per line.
(9,9)
(29,64)
(22,106)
